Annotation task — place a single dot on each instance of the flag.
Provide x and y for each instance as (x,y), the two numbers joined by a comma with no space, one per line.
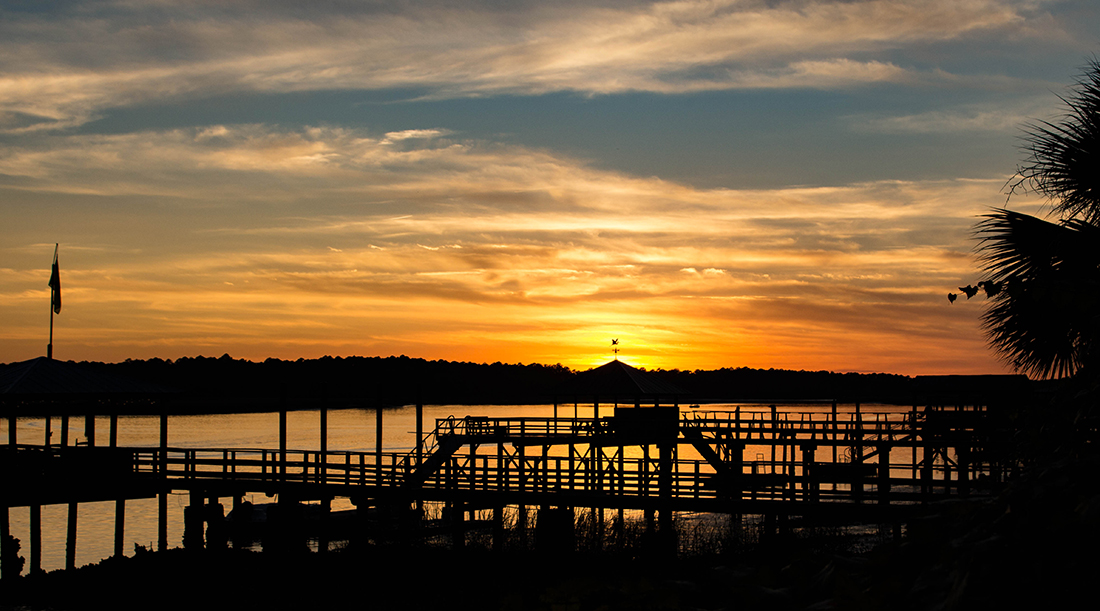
(55,284)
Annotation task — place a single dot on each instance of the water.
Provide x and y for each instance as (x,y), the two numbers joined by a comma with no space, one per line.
(348,430)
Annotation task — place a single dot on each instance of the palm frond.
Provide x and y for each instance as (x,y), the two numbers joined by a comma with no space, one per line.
(1044,321)
(1064,158)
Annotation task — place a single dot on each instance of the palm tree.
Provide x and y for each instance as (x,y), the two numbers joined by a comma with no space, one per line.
(1043,276)
(1043,286)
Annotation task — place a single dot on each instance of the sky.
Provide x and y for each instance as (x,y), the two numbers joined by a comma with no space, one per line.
(788,184)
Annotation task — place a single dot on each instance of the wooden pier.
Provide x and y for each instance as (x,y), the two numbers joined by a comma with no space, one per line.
(857,467)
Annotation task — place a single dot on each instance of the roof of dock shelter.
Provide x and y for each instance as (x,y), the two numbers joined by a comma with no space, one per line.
(48,379)
(617,379)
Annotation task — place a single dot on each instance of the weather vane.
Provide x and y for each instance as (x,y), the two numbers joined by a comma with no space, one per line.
(615,348)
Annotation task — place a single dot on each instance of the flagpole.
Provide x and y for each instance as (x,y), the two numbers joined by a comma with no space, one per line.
(55,298)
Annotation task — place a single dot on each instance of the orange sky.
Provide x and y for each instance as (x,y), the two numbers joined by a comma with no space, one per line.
(474,182)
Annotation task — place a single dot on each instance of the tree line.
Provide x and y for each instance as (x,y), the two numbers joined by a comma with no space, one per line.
(206,382)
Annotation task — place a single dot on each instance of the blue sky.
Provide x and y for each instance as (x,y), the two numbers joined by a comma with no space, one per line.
(763,184)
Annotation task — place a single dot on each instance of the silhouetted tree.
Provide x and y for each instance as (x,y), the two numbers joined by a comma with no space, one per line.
(1042,276)
(1044,301)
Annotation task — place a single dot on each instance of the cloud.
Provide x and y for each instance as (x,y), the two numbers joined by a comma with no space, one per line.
(65,68)
(244,237)
(414,133)
(999,118)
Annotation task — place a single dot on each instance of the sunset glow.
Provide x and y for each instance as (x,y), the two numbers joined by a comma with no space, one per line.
(716,184)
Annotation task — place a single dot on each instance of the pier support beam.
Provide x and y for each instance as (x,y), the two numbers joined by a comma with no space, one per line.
(36,539)
(120,526)
(89,430)
(162,521)
(884,473)
(162,497)
(70,537)
(378,439)
(809,483)
(323,458)
(665,461)
(282,444)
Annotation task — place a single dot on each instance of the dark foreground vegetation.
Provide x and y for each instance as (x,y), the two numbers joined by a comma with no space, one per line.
(205,383)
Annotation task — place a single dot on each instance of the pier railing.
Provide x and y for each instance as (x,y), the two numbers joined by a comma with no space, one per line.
(709,455)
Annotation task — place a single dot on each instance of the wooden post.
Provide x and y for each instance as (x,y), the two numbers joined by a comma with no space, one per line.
(836,425)
(884,473)
(113,438)
(857,459)
(809,490)
(378,439)
(65,430)
(282,444)
(162,497)
(419,447)
(664,486)
(12,440)
(120,525)
(162,521)
(89,429)
(70,538)
(36,539)
(521,475)
(775,434)
(324,444)
(48,433)
(419,434)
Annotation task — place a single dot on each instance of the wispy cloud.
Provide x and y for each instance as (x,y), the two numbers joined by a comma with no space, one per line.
(999,118)
(64,68)
(314,249)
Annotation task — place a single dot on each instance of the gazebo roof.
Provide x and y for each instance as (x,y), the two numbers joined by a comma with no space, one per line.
(46,379)
(617,379)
